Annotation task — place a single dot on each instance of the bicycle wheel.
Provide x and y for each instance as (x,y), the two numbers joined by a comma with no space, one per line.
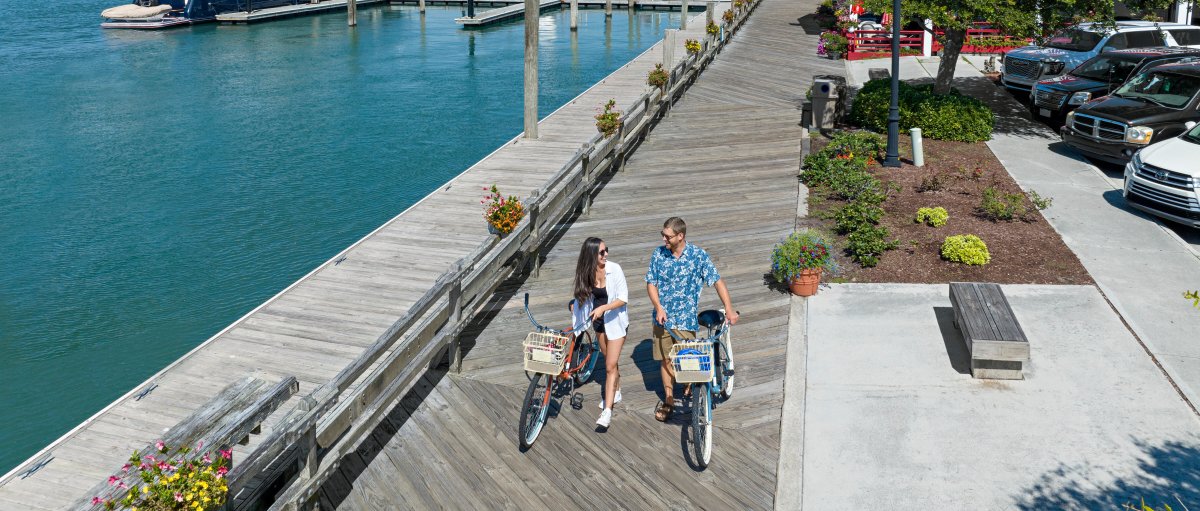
(702,424)
(535,408)
(724,366)
(584,357)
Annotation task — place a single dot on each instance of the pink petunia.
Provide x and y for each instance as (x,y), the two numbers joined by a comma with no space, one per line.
(227,453)
(97,500)
(178,497)
(221,471)
(112,480)
(200,445)
(206,459)
(160,446)
(123,486)
(162,465)
(126,467)
(144,466)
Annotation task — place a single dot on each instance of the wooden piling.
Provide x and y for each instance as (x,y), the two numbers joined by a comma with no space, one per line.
(532,11)
(608,8)
(669,49)
(574,14)
(421,6)
(351,13)
(683,15)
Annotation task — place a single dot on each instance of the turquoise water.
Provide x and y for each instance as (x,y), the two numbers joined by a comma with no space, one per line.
(155,186)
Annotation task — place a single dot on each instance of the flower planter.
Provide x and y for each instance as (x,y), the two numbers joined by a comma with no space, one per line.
(492,229)
(806,283)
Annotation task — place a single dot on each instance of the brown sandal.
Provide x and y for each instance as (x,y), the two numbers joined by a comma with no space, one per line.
(664,411)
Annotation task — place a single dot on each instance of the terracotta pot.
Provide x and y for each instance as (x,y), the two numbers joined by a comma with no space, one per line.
(805,284)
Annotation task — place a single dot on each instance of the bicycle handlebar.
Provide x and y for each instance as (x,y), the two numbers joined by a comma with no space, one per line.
(542,328)
(715,335)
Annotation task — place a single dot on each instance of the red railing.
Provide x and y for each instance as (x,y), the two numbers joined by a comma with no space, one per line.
(867,44)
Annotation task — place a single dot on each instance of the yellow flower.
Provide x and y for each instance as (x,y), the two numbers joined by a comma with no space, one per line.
(189,496)
(145,489)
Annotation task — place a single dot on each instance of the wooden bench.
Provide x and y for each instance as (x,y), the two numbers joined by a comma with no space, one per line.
(229,417)
(998,347)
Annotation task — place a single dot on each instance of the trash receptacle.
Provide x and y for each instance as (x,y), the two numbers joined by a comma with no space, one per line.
(825,96)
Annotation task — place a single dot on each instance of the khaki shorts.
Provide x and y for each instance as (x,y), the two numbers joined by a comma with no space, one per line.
(663,341)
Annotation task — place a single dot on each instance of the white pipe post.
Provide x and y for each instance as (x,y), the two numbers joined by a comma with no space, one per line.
(574,14)
(918,148)
(927,39)
(531,69)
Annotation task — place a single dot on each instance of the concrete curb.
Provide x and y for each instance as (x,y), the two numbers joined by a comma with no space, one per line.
(789,474)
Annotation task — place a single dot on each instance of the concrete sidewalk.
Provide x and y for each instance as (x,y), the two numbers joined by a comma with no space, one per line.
(1141,266)
(879,409)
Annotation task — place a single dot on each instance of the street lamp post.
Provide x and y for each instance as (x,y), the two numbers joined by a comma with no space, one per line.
(892,158)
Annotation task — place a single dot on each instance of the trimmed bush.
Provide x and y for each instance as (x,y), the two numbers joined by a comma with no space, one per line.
(951,116)
(868,243)
(858,144)
(933,217)
(857,215)
(966,249)
(996,206)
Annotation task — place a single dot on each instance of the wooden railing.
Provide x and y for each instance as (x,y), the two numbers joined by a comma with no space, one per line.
(305,448)
(866,44)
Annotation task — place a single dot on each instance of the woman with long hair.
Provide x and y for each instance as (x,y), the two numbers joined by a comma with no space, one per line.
(600,296)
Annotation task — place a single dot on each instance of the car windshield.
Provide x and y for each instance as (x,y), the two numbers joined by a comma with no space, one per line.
(1106,69)
(1163,88)
(1193,135)
(1074,39)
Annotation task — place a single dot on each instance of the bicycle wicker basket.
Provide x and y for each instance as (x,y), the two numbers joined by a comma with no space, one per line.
(692,361)
(545,352)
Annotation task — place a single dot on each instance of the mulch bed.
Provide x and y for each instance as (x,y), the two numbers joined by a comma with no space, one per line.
(1025,251)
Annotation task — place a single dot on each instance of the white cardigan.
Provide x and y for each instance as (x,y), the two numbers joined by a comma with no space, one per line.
(616,321)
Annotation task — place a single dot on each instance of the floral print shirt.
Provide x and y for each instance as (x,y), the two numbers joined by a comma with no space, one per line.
(679,283)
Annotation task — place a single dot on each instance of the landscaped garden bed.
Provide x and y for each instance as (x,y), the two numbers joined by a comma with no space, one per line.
(872,216)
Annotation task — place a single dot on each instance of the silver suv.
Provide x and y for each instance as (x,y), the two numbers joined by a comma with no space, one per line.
(1070,46)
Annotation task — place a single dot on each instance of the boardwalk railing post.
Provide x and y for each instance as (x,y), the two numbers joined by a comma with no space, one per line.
(455,303)
(586,162)
(535,232)
(709,15)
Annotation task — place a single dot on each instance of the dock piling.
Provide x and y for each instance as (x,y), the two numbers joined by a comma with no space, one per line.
(709,7)
(669,50)
(421,6)
(607,8)
(351,13)
(683,15)
(532,10)
(574,14)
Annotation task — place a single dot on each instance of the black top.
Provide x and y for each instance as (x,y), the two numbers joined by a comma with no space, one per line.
(599,296)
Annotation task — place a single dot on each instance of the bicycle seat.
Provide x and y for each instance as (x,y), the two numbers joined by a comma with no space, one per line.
(711,318)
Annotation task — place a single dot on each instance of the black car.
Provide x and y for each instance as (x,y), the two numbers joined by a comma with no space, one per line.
(1152,106)
(1054,97)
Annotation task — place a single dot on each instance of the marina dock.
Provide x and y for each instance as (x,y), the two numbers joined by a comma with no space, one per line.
(502,13)
(283,11)
(359,332)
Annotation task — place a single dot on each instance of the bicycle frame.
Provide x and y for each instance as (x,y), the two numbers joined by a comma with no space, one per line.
(570,367)
(716,337)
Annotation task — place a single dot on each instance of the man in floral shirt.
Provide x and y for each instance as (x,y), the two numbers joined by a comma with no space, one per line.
(678,271)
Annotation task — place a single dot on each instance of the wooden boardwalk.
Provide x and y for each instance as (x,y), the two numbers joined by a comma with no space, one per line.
(323,322)
(726,161)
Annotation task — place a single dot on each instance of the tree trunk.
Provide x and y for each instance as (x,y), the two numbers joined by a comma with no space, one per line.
(951,48)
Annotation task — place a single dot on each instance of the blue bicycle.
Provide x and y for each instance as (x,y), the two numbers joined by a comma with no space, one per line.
(706,364)
(558,360)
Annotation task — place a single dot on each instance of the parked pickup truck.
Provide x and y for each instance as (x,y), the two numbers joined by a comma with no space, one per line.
(1152,106)
(1054,97)
(1164,179)
(1071,46)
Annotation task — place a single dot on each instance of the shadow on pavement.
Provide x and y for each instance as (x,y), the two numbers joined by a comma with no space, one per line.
(1167,474)
(956,349)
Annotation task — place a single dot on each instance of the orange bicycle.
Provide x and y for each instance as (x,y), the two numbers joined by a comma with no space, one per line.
(557,360)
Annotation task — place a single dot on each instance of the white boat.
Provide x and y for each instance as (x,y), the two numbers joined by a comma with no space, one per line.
(145,14)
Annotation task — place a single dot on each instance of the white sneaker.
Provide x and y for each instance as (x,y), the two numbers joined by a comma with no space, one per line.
(605,418)
(616,399)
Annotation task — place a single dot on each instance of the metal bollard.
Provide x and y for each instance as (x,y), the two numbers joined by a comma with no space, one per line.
(917,149)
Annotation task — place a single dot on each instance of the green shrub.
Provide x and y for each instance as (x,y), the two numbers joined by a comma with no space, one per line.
(932,183)
(858,144)
(853,182)
(1038,201)
(856,216)
(966,249)
(867,244)
(997,206)
(933,217)
(816,169)
(951,116)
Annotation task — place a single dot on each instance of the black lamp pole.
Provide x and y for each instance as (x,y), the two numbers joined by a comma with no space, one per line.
(892,158)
